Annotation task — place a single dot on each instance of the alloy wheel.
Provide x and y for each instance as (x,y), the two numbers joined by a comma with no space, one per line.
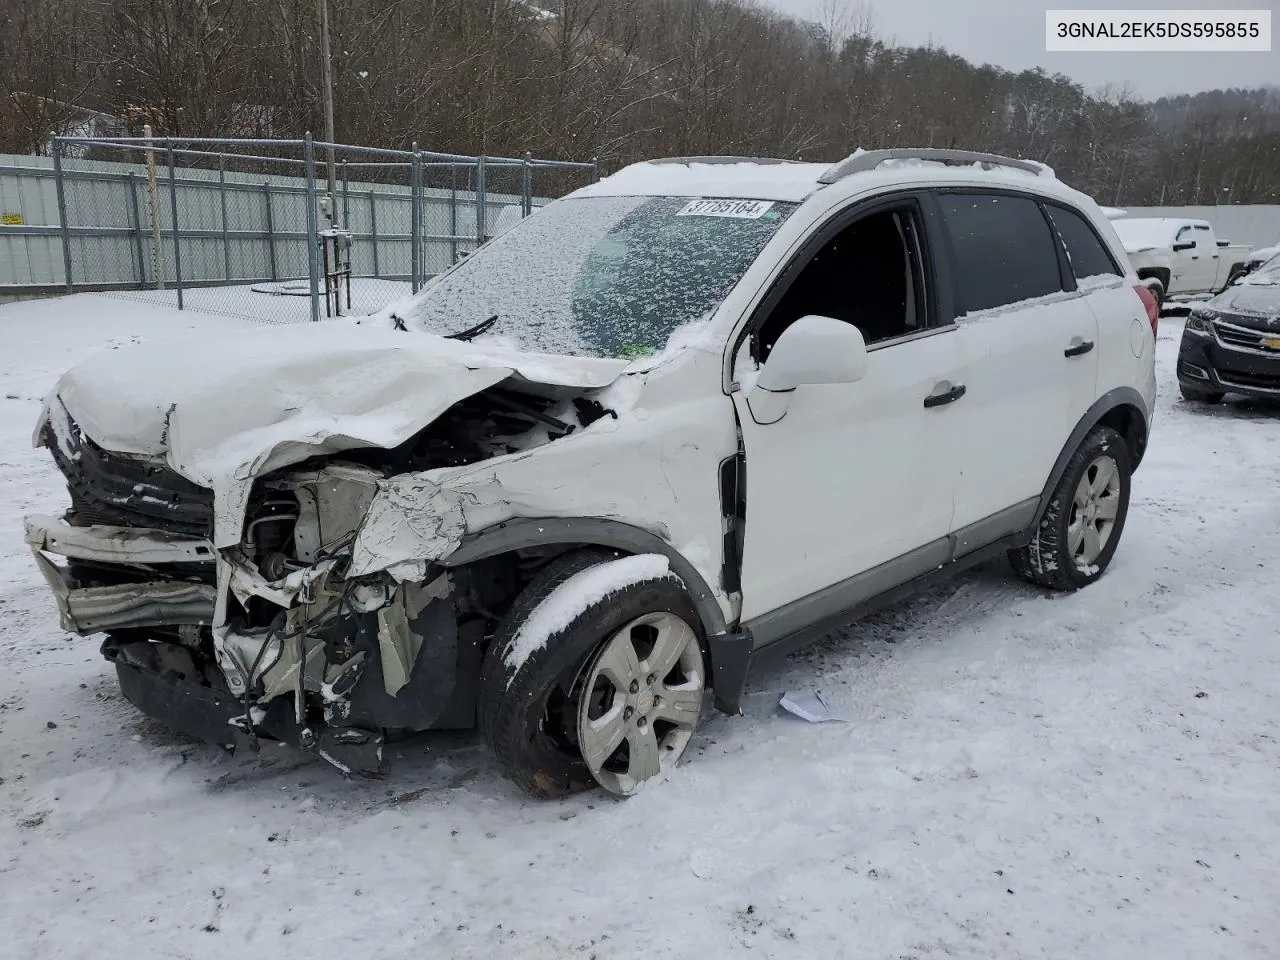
(640,701)
(1093,511)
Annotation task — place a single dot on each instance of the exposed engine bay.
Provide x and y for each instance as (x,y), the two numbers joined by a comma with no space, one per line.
(279,636)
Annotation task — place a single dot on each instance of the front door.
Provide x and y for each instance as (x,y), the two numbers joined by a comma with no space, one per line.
(855,475)
(1198,266)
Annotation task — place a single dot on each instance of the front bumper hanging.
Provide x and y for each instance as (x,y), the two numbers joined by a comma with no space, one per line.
(140,603)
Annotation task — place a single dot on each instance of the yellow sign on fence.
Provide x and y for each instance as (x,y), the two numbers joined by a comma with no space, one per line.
(11,219)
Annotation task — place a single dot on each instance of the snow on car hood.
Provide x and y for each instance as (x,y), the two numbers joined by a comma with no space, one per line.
(224,409)
(1250,300)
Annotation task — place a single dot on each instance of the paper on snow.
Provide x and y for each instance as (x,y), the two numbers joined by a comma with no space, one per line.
(809,705)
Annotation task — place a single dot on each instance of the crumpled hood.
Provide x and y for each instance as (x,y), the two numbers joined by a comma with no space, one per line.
(1250,302)
(224,409)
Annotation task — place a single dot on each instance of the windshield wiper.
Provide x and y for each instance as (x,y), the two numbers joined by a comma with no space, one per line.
(472,332)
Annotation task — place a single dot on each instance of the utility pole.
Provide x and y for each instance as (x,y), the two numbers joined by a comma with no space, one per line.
(326,76)
(153,213)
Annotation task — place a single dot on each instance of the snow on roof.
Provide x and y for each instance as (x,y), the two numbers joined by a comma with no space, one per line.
(787,180)
(728,177)
(1142,233)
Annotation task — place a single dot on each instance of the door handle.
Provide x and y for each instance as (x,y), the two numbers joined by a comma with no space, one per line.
(955,392)
(1078,349)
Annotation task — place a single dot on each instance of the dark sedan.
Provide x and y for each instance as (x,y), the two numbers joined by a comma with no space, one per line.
(1231,344)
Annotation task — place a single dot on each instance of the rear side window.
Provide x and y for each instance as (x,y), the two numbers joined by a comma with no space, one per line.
(1088,256)
(1004,252)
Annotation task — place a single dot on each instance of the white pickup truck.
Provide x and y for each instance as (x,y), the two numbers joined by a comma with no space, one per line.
(1178,258)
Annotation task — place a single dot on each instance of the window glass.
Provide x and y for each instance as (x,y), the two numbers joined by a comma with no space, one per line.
(1089,258)
(601,276)
(870,274)
(1004,252)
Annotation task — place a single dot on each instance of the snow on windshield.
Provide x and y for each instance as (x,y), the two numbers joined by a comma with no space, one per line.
(1136,234)
(1269,272)
(602,276)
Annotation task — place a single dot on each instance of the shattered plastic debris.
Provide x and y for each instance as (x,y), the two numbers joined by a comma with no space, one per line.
(811,706)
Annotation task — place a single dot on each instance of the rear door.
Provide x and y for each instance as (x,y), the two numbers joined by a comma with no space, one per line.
(1031,342)
(1126,341)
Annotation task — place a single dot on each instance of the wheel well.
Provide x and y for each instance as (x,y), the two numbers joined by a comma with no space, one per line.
(1155,273)
(1129,422)
(487,587)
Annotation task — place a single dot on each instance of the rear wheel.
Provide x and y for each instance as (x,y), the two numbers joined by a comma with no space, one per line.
(1157,291)
(1192,395)
(610,695)
(1081,527)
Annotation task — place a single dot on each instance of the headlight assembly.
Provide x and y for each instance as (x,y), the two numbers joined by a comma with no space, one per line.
(1198,322)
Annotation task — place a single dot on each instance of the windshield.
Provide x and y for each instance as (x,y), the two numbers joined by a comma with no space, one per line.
(601,276)
(1269,272)
(1145,232)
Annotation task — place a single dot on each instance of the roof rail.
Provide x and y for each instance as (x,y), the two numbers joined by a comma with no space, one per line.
(870,159)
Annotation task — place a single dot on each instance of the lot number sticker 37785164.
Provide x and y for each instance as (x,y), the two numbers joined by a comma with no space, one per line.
(737,209)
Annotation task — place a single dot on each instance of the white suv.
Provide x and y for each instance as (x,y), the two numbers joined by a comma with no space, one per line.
(690,416)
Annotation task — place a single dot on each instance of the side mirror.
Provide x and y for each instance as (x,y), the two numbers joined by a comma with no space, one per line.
(812,350)
(1184,245)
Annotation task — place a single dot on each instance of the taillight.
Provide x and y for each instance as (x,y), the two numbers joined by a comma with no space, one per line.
(1153,308)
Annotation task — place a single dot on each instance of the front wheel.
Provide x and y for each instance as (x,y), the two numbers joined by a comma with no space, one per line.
(596,676)
(1081,527)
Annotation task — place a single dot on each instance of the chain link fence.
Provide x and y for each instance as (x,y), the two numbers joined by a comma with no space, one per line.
(272,230)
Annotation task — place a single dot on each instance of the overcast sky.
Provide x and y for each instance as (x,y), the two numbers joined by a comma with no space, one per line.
(1010,34)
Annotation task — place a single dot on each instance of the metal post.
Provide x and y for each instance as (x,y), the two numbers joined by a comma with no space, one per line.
(453,210)
(326,75)
(415,219)
(137,229)
(173,221)
(373,229)
(526,186)
(222,201)
(62,211)
(346,197)
(271,228)
(480,201)
(313,230)
(153,212)
(595,169)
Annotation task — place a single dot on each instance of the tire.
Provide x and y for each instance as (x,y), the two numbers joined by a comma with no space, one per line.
(1192,395)
(1060,555)
(1157,291)
(531,713)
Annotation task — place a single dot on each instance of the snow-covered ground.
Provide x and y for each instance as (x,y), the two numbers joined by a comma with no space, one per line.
(1025,775)
(286,301)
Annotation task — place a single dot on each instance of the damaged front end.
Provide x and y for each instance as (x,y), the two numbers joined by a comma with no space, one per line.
(356,658)
(298,632)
